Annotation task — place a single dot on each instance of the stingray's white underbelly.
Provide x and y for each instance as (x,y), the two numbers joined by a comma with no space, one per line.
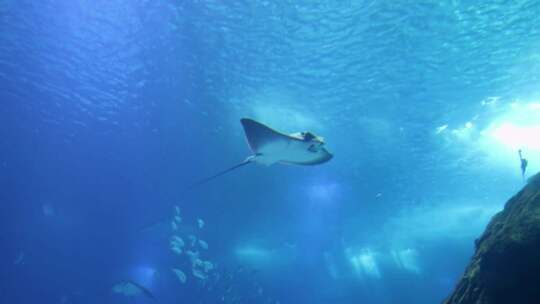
(292,150)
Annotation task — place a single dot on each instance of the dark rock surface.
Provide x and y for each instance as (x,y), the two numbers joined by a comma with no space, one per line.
(506,265)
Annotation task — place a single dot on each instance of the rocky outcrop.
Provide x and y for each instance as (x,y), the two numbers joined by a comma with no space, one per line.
(505,268)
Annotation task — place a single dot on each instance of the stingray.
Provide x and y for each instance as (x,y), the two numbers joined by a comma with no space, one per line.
(270,147)
(131,288)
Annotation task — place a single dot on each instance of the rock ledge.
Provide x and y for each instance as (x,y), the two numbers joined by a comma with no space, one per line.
(506,265)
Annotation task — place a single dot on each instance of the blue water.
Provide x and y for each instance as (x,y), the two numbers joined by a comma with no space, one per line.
(109,109)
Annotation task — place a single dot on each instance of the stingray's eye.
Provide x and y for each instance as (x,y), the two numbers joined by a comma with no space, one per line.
(308,136)
(313,148)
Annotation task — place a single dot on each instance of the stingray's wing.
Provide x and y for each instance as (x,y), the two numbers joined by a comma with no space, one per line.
(259,135)
(320,157)
(143,289)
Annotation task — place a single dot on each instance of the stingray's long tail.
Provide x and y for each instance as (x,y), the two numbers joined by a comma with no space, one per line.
(207,179)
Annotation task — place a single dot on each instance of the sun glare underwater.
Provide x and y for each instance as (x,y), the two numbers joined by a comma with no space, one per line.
(112,109)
